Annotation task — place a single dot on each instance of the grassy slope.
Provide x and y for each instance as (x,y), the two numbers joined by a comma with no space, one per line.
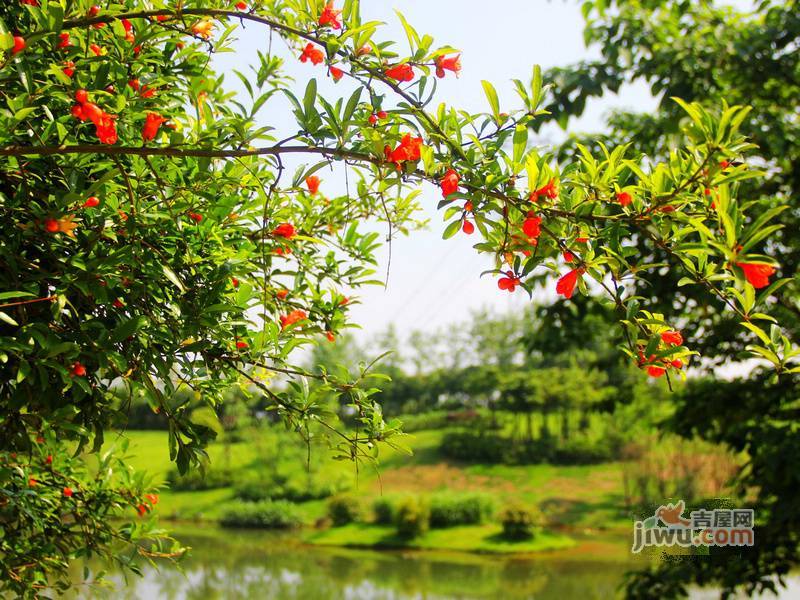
(579,498)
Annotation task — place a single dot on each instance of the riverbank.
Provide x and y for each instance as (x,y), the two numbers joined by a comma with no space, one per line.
(573,499)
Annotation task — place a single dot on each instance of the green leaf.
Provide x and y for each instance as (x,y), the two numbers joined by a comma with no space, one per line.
(127,328)
(170,274)
(491,96)
(451,229)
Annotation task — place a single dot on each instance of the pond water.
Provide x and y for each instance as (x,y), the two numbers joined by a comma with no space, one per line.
(233,564)
(254,564)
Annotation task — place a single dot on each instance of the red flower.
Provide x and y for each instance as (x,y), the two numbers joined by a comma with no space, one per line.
(468,227)
(118,303)
(312,182)
(241,5)
(581,240)
(51,225)
(468,206)
(49,459)
(152,499)
(147,92)
(624,198)
(142,509)
(19,44)
(196,217)
(235,282)
(281,294)
(91,202)
(293,317)
(336,73)
(330,17)
(509,282)
(677,363)
(96,50)
(532,227)
(331,337)
(128,26)
(241,345)
(655,371)
(284,230)
(312,53)
(401,72)
(67,492)
(63,40)
(566,285)
(93,11)
(29,2)
(107,131)
(452,63)
(548,191)
(672,338)
(152,123)
(81,96)
(344,301)
(409,149)
(568,256)
(69,68)
(449,183)
(757,274)
(77,369)
(32,482)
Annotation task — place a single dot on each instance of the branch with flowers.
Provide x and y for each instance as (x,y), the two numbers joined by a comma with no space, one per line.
(156,214)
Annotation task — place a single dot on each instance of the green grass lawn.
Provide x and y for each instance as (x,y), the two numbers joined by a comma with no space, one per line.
(575,499)
(474,538)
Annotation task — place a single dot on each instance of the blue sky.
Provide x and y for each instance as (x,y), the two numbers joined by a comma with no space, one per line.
(435,283)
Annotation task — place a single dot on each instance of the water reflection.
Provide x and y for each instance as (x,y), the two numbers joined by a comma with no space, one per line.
(240,564)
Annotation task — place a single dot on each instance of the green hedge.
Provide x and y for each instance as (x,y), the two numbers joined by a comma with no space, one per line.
(343,510)
(277,488)
(447,510)
(412,517)
(492,448)
(262,515)
(193,480)
(520,522)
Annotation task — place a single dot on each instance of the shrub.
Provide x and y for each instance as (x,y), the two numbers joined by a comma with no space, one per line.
(580,451)
(448,509)
(193,480)
(343,510)
(412,517)
(383,509)
(279,488)
(264,515)
(520,522)
(474,447)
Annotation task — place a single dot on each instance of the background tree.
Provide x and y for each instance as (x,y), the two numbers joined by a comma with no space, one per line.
(718,52)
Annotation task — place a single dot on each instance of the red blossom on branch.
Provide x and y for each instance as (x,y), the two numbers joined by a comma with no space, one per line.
(757,274)
(401,72)
(330,17)
(312,53)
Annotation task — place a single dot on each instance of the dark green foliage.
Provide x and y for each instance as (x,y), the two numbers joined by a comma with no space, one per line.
(451,509)
(493,448)
(266,514)
(474,447)
(520,522)
(344,509)
(212,478)
(412,517)
(383,510)
(296,489)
